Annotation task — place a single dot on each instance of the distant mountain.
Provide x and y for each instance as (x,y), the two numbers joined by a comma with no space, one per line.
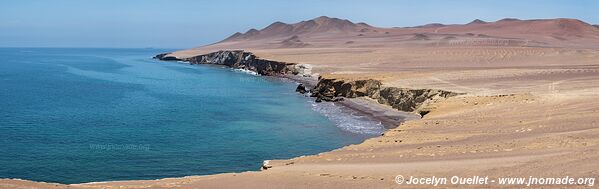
(321,24)
(327,32)
(431,25)
(509,20)
(476,21)
(562,27)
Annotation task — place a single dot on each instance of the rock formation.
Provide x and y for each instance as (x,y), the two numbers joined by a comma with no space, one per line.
(240,59)
(326,89)
(301,89)
(166,57)
(403,99)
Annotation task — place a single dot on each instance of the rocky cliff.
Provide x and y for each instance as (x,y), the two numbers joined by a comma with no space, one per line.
(241,60)
(166,57)
(327,89)
(404,99)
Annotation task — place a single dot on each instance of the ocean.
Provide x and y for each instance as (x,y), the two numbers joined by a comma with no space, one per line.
(87,115)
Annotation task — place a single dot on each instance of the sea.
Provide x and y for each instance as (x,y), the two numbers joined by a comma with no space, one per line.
(75,115)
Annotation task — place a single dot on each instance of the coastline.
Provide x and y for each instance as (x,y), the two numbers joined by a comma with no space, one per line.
(389,117)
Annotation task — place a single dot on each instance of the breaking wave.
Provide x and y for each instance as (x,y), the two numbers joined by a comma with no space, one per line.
(348,120)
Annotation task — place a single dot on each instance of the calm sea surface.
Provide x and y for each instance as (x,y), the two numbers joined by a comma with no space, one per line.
(83,115)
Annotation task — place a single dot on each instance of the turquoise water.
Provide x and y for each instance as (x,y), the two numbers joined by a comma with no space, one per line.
(83,115)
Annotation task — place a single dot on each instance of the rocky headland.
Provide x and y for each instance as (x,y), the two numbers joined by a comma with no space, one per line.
(325,89)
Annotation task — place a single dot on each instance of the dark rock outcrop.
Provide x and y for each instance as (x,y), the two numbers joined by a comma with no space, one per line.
(301,89)
(243,60)
(166,57)
(409,99)
(399,98)
(330,88)
(239,59)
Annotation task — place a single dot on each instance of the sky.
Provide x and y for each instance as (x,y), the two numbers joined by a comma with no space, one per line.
(192,23)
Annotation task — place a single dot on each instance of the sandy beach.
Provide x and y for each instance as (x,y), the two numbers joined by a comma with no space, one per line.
(528,103)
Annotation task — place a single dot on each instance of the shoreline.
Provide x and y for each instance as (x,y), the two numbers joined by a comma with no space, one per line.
(390,118)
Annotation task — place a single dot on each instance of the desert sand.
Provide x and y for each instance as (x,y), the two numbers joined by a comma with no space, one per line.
(530,105)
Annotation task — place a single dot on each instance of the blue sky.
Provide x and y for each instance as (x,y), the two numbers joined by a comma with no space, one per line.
(189,23)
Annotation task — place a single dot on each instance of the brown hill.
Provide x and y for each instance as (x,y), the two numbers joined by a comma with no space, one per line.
(476,21)
(293,42)
(326,32)
(431,25)
(561,29)
(321,24)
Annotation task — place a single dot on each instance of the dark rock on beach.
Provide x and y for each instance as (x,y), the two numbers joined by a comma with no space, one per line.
(301,89)
(403,99)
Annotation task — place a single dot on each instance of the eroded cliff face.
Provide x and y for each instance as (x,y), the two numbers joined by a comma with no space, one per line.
(327,89)
(411,100)
(241,60)
(334,90)
(404,99)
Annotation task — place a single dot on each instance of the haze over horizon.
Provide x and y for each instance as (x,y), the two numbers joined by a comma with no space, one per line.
(184,24)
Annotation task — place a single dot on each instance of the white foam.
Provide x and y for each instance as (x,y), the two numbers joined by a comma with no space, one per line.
(348,120)
(246,71)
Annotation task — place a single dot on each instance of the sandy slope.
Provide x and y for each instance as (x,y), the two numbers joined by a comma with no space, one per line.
(529,110)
